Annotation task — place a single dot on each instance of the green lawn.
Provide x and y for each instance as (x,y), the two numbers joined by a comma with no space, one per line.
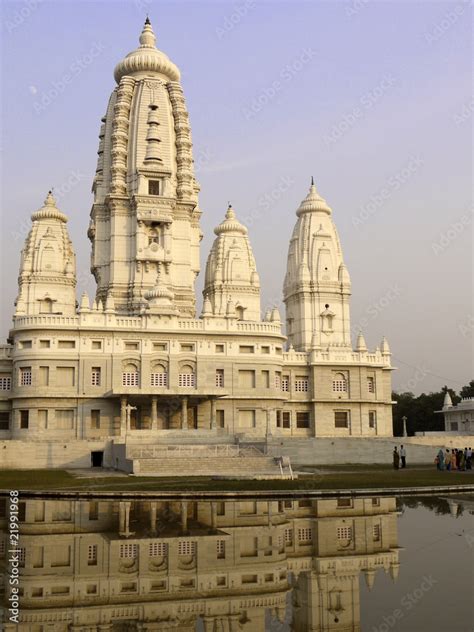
(355,477)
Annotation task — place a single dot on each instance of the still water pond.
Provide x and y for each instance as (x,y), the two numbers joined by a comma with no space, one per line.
(363,564)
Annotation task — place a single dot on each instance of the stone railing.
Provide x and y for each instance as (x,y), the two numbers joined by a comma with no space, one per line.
(147,322)
(335,355)
(183,451)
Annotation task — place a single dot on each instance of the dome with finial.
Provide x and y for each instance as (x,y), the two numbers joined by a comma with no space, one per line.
(147,58)
(49,210)
(230,224)
(313,202)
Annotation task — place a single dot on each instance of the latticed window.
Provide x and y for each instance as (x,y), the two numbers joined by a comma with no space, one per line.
(92,554)
(154,187)
(220,378)
(128,551)
(305,534)
(289,536)
(186,547)
(285,383)
(187,379)
(159,378)
(301,384)
(158,549)
(278,380)
(344,533)
(220,549)
(371,385)
(25,376)
(339,383)
(376,532)
(130,376)
(5,382)
(95,376)
(21,557)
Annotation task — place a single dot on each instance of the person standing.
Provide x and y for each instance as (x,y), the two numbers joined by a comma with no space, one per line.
(469,458)
(396,458)
(403,456)
(440,460)
(447,459)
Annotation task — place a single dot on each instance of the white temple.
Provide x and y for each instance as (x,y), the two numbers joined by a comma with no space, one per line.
(134,363)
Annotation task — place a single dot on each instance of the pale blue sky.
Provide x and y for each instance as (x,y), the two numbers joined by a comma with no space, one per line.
(372,98)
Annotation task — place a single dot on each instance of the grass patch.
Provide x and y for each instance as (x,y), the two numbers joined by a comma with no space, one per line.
(359,477)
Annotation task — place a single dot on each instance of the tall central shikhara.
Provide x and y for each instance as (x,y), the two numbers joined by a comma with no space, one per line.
(144,224)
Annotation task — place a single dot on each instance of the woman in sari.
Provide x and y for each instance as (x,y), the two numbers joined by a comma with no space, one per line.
(447,459)
(440,460)
(454,460)
(396,458)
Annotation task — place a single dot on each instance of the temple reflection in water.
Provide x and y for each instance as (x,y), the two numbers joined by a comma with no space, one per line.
(200,566)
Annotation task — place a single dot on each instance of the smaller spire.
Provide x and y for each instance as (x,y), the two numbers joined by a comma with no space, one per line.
(384,346)
(147,37)
(361,345)
(49,200)
(206,307)
(448,402)
(312,181)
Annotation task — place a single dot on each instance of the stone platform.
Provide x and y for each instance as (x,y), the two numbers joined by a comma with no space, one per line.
(203,459)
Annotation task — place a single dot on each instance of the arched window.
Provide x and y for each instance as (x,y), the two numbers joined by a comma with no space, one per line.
(239,310)
(339,383)
(187,376)
(130,375)
(159,375)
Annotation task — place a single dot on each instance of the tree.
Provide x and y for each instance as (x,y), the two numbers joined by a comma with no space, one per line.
(467,391)
(420,411)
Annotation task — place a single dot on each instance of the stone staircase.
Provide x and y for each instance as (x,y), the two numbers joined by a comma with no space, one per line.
(212,460)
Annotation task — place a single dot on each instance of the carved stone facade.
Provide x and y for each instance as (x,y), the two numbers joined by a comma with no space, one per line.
(71,372)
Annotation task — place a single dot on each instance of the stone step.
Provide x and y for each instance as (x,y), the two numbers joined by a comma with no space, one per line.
(248,467)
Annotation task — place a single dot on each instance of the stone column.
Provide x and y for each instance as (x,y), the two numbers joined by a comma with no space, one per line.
(213,413)
(153,516)
(123,415)
(208,623)
(214,515)
(124,509)
(184,515)
(184,413)
(154,412)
